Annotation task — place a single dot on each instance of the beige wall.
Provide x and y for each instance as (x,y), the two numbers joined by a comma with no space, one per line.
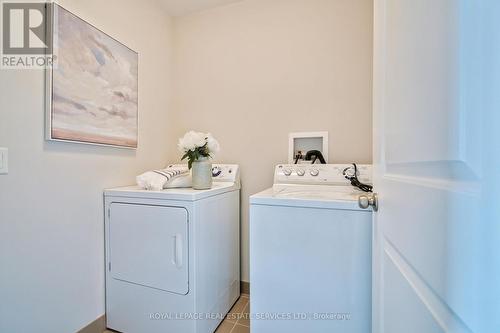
(51,215)
(253,71)
(250,73)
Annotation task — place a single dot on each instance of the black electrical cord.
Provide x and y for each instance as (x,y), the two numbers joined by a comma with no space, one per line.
(355,181)
(298,157)
(317,155)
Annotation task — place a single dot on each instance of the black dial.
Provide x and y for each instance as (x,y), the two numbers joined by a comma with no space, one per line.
(216,171)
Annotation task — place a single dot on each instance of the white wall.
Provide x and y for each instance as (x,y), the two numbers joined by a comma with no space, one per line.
(51,216)
(253,71)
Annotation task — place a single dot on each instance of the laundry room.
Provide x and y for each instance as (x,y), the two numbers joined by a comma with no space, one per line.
(241,166)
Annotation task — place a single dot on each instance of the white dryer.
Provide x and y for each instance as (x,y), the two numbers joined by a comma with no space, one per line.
(172,256)
(310,252)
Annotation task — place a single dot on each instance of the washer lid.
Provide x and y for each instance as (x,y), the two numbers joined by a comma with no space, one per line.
(183,194)
(313,196)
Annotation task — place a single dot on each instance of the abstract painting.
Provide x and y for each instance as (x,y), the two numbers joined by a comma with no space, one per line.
(93,85)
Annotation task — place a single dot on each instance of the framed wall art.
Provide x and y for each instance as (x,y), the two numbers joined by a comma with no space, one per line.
(92,87)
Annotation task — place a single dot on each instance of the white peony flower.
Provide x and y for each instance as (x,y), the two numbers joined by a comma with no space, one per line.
(213,144)
(192,140)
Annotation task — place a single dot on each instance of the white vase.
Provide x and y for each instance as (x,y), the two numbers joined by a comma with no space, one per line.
(202,174)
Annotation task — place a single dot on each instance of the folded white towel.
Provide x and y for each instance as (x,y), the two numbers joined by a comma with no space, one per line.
(157,180)
(181,181)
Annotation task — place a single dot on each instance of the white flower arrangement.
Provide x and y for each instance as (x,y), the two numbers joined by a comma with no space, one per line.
(196,145)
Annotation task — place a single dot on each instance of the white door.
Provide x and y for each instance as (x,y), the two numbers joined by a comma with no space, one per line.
(437,166)
(148,246)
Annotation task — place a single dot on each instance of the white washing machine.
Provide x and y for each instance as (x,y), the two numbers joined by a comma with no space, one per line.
(172,256)
(310,252)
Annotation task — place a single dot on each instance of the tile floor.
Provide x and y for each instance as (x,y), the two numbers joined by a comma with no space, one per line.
(237,320)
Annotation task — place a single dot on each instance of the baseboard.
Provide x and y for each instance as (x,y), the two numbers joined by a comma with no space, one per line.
(245,287)
(97,326)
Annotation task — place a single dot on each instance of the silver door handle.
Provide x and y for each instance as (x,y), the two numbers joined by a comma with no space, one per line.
(368,200)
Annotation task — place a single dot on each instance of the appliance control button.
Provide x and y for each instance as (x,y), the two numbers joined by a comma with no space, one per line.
(216,171)
(287,172)
(301,172)
(314,172)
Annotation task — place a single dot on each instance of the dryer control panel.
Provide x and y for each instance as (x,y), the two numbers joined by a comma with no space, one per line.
(220,172)
(226,173)
(318,174)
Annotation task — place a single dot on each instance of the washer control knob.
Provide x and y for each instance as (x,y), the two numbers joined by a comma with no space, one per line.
(287,172)
(301,172)
(314,172)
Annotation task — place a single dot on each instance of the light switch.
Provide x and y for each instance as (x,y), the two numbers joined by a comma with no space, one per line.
(4,161)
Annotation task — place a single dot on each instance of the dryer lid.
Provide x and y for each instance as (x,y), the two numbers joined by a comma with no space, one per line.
(182,194)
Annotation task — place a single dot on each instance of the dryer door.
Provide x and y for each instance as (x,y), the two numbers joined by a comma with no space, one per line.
(148,246)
